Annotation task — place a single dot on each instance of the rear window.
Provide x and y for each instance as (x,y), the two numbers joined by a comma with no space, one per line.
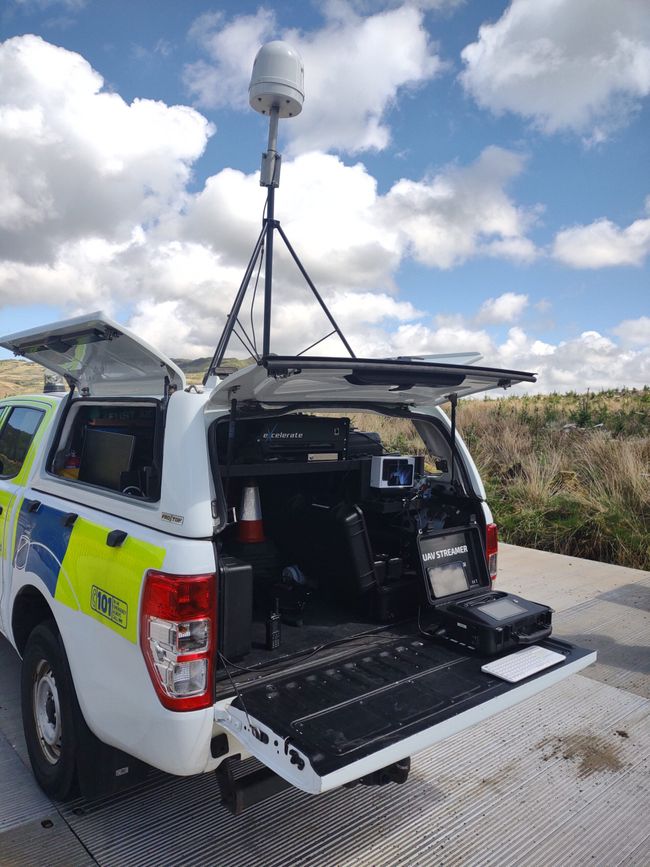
(16,436)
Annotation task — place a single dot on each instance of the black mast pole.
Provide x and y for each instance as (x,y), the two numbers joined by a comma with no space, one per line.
(270,178)
(268,270)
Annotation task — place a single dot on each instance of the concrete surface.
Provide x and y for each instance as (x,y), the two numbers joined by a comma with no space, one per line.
(561,779)
(559,581)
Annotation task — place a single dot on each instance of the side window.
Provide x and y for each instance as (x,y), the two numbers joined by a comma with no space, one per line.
(111,446)
(16,437)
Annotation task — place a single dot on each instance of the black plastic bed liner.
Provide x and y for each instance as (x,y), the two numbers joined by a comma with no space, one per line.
(338,712)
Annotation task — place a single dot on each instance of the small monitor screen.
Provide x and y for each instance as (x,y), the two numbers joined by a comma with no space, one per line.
(104,457)
(448,578)
(397,472)
(501,609)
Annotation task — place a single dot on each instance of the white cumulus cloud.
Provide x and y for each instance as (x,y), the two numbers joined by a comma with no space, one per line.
(355,67)
(589,359)
(463,212)
(505,308)
(603,244)
(77,161)
(578,65)
(231,47)
(634,332)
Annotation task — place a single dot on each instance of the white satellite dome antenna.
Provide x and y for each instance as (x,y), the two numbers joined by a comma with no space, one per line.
(277,89)
(278,80)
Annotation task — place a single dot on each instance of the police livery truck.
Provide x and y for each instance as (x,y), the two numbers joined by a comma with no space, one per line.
(197,576)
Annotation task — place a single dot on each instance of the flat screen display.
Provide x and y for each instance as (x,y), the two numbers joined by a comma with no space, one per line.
(448,578)
(501,609)
(397,472)
(104,457)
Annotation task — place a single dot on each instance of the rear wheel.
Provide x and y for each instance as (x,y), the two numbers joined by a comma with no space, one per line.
(48,703)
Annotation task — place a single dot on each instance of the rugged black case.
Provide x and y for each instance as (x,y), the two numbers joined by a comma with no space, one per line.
(457,617)
(235,607)
(465,624)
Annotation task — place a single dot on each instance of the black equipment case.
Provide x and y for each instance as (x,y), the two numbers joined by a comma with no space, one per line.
(289,438)
(461,605)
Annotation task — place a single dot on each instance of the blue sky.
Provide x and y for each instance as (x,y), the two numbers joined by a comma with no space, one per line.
(465,175)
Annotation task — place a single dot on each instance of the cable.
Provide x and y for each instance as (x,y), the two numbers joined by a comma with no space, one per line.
(238,694)
(439,633)
(248,346)
(257,279)
(259,268)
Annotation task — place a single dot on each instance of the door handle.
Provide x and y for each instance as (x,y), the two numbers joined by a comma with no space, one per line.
(116,538)
(1,509)
(33,505)
(69,519)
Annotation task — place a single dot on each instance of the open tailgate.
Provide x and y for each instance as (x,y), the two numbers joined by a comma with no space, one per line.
(280,380)
(333,722)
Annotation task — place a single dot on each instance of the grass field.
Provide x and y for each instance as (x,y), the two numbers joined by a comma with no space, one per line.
(570,473)
(566,473)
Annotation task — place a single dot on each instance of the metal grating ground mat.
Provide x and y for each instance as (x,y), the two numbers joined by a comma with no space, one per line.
(547,770)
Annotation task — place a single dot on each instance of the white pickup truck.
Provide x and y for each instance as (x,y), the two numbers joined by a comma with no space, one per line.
(164,621)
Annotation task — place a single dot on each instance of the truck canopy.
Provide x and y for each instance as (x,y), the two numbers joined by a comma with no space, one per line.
(97,356)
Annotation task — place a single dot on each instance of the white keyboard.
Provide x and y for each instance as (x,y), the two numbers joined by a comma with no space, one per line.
(523,663)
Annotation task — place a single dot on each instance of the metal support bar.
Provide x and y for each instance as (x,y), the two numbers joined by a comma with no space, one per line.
(315,343)
(308,280)
(271,160)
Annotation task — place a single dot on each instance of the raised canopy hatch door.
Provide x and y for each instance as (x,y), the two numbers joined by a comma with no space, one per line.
(281,380)
(98,356)
(333,722)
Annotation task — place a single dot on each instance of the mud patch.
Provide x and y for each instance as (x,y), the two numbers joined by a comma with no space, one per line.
(500,779)
(592,753)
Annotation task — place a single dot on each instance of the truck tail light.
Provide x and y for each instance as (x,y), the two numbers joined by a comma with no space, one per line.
(491,549)
(177,637)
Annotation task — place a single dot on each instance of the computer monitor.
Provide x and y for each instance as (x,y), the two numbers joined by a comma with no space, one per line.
(104,457)
(392,471)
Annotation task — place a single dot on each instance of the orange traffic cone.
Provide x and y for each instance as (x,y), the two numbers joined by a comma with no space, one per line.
(251,528)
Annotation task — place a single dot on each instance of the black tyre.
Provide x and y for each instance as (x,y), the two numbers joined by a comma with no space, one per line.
(48,706)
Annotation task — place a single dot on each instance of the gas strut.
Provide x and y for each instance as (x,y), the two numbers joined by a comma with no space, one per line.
(232,425)
(453,399)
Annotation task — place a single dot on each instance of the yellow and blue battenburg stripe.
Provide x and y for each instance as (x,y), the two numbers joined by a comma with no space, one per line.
(42,539)
(70,556)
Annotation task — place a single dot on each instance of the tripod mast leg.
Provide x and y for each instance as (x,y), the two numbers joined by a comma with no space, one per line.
(309,282)
(231,319)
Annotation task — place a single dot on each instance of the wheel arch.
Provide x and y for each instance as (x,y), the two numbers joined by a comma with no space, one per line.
(29,609)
